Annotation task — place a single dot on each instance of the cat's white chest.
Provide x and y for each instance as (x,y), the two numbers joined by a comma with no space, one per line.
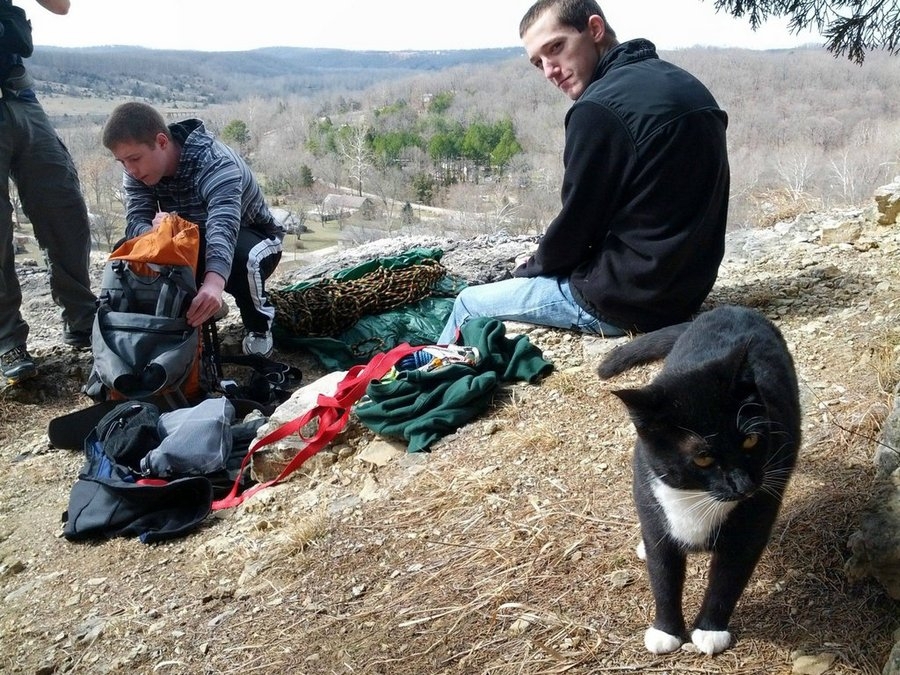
(692,515)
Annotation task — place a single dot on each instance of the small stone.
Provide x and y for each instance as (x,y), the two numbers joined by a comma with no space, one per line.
(621,578)
(817,664)
(519,626)
(380,452)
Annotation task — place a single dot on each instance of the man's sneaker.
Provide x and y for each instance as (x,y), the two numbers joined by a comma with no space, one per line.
(258,344)
(17,364)
(80,339)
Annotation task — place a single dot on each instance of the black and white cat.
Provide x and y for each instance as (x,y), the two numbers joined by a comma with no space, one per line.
(718,432)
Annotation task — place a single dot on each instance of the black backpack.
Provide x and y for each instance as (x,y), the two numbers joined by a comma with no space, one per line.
(112,498)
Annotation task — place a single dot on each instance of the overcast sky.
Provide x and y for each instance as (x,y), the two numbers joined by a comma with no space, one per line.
(384,25)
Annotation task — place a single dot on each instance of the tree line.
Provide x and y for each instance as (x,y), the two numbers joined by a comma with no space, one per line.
(805,130)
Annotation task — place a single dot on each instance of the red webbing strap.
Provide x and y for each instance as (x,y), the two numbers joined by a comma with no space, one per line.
(332,413)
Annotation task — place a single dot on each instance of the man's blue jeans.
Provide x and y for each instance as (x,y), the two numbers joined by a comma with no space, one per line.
(545,301)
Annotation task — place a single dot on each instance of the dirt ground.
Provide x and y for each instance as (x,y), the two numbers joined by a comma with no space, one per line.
(509,548)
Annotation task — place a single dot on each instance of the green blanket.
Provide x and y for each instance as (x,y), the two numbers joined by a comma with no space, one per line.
(423,406)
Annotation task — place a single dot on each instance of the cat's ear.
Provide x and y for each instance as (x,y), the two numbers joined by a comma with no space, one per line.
(643,404)
(740,374)
(735,359)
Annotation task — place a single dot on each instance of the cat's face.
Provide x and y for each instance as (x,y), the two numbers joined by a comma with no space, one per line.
(701,432)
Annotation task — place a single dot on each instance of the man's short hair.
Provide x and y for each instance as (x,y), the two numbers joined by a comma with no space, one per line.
(134,122)
(573,13)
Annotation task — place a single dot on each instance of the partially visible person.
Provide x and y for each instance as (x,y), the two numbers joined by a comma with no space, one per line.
(641,233)
(40,166)
(183,168)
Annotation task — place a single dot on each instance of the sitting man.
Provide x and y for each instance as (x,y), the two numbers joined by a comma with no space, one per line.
(641,232)
(184,169)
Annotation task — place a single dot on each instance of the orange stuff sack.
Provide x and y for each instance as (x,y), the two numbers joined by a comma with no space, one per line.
(175,241)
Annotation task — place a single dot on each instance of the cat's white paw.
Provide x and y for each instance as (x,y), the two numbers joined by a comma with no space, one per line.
(711,641)
(659,642)
(641,550)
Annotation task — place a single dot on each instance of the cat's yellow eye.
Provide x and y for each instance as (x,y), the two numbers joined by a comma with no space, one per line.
(750,441)
(703,461)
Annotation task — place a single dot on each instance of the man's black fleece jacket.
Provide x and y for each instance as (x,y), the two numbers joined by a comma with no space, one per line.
(641,231)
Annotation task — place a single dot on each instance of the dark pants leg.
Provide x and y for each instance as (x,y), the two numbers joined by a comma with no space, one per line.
(48,186)
(255,258)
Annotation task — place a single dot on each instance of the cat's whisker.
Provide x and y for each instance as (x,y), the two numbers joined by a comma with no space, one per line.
(740,412)
(777,473)
(753,424)
(648,480)
(775,456)
(691,432)
(776,479)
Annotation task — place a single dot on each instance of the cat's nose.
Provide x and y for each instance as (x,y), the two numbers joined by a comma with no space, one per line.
(742,484)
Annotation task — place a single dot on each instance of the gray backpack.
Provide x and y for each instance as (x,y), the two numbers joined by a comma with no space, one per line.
(142,345)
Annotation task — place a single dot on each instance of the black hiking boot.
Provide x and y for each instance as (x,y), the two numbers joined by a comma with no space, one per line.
(79,339)
(17,365)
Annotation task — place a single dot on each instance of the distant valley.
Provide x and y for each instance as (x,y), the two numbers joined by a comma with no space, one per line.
(195,79)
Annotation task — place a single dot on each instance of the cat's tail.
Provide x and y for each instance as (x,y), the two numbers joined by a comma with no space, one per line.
(643,349)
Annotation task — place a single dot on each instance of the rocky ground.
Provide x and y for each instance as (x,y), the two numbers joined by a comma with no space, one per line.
(506,549)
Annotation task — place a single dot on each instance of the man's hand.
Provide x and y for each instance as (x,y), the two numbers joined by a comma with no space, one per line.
(55,6)
(158,218)
(524,257)
(207,301)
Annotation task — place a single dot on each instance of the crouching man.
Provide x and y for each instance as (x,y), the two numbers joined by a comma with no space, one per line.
(182,168)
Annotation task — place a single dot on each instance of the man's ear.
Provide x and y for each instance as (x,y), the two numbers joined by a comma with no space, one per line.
(596,27)
(162,141)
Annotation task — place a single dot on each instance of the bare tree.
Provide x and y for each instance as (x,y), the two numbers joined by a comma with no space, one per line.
(796,173)
(105,228)
(332,167)
(388,185)
(355,150)
(96,172)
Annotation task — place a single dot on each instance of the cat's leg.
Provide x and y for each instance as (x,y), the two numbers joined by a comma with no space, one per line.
(656,641)
(666,569)
(727,578)
(738,548)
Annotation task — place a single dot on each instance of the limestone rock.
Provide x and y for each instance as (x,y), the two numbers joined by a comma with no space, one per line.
(271,460)
(887,453)
(817,664)
(887,198)
(892,667)
(875,546)
(381,452)
(841,232)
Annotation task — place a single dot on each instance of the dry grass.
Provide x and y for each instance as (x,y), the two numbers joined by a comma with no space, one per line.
(884,355)
(513,553)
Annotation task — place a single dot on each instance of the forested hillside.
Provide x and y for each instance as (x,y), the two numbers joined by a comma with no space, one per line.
(200,78)
(477,132)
